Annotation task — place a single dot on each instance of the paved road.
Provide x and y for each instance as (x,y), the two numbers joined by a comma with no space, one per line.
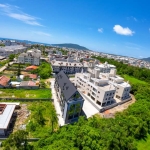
(56,103)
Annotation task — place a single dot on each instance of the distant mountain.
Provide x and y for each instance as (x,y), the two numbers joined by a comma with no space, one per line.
(146,59)
(70,45)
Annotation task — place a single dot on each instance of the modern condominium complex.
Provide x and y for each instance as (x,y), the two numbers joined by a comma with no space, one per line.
(103,88)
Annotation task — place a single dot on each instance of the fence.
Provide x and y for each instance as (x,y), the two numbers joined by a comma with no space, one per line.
(29,139)
(26,99)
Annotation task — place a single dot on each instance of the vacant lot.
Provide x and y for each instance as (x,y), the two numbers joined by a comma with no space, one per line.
(21,93)
(39,122)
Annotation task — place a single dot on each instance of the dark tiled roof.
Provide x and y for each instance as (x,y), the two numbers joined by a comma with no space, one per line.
(65,84)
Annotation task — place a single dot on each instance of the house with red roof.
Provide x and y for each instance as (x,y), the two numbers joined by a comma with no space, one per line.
(32,76)
(29,85)
(4,82)
(30,68)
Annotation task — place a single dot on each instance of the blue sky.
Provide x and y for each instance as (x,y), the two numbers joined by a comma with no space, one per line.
(112,26)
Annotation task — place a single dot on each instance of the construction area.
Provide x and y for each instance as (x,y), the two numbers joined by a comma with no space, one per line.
(110,113)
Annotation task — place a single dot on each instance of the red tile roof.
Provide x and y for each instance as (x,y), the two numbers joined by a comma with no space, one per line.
(31,83)
(31,68)
(4,80)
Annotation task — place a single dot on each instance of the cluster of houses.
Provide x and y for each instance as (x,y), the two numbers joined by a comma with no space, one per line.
(32,83)
(8,50)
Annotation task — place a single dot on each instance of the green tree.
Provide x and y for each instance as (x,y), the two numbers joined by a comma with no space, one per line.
(53,118)
(11,57)
(19,70)
(16,141)
(42,84)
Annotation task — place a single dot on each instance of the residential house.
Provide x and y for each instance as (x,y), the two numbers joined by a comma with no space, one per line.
(28,85)
(4,82)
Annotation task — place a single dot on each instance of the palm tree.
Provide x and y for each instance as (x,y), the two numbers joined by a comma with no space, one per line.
(53,118)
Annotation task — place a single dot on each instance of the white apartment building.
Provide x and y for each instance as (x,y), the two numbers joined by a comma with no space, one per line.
(32,57)
(122,88)
(103,88)
(8,50)
(105,67)
(68,67)
(98,89)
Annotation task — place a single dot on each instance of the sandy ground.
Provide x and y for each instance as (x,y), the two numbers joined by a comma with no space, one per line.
(22,114)
(111,112)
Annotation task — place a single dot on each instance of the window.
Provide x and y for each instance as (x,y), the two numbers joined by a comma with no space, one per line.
(99,103)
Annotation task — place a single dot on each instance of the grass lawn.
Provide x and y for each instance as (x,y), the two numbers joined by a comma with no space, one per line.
(133,80)
(3,62)
(22,93)
(36,128)
(144,144)
(21,65)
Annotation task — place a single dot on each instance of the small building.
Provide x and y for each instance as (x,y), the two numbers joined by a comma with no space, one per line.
(28,85)
(4,82)
(70,100)
(32,76)
(6,112)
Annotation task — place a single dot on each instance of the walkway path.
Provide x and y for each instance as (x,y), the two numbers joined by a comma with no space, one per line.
(56,103)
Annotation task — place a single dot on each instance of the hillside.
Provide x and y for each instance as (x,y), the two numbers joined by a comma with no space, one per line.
(70,45)
(146,59)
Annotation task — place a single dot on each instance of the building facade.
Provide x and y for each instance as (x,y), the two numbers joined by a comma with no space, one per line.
(32,57)
(103,88)
(68,67)
(70,100)
(8,50)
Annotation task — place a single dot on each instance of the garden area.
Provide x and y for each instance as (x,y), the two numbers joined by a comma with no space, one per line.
(39,120)
(23,93)
(3,63)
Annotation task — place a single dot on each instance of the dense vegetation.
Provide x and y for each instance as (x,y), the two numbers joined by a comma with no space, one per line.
(44,70)
(64,52)
(43,119)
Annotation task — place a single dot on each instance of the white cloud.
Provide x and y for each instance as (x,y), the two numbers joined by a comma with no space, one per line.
(100,30)
(41,33)
(132,18)
(123,31)
(15,13)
